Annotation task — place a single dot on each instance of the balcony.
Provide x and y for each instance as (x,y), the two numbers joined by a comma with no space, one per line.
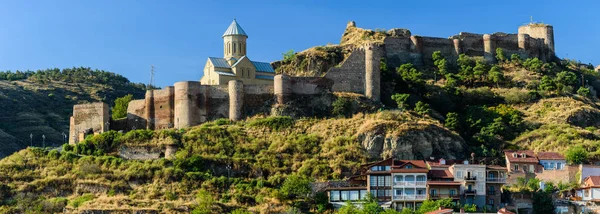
(491,192)
(470,178)
(496,180)
(441,196)
(409,197)
(470,192)
(410,183)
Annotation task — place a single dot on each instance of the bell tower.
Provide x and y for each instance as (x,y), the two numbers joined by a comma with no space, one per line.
(234,41)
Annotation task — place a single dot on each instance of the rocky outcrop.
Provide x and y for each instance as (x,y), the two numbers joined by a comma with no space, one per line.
(584,117)
(413,141)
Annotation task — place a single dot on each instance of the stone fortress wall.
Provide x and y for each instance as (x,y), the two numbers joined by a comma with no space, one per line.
(532,40)
(190,103)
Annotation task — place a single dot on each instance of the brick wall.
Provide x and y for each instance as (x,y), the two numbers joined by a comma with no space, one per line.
(93,116)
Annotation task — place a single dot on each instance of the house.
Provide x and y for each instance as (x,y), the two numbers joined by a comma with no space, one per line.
(410,183)
(442,210)
(473,182)
(590,190)
(353,189)
(521,161)
(235,64)
(495,179)
(552,160)
(441,184)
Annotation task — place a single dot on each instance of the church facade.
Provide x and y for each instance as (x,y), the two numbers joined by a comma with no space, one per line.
(235,64)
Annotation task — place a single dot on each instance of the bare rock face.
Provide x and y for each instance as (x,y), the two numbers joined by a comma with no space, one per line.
(399,32)
(416,141)
(584,117)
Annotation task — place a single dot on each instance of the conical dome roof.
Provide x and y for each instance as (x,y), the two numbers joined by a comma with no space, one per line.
(235,29)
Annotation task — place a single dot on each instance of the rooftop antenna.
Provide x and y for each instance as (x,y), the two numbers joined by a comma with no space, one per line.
(531,19)
(151,84)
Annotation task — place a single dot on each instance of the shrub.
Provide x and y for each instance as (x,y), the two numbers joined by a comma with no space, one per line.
(119,110)
(342,107)
(547,84)
(410,74)
(295,186)
(54,154)
(515,58)
(422,108)
(76,202)
(273,123)
(584,91)
(452,121)
(517,96)
(576,155)
(289,56)
(500,55)
(534,65)
(67,147)
(496,75)
(401,100)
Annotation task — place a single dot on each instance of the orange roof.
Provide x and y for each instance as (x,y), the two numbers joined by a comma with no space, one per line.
(441,211)
(504,211)
(550,156)
(440,174)
(496,167)
(592,180)
(529,156)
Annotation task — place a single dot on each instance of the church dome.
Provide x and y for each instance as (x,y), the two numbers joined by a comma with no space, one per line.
(235,29)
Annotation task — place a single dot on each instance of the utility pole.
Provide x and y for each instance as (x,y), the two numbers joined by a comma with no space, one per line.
(31,139)
(44,141)
(151,84)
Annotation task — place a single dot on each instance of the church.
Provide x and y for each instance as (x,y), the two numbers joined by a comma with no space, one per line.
(235,64)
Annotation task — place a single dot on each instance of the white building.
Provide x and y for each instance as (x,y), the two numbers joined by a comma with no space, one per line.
(409,183)
(473,182)
(590,192)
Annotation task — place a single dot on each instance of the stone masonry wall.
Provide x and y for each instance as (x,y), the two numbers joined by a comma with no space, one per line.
(135,115)
(93,116)
(349,77)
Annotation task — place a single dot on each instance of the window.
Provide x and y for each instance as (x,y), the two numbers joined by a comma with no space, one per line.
(491,201)
(420,192)
(345,195)
(559,165)
(516,167)
(363,194)
(514,155)
(380,180)
(234,47)
(459,174)
(408,167)
(354,195)
(240,47)
(381,193)
(373,180)
(398,191)
(398,178)
(492,190)
(480,174)
(380,168)
(334,195)
(452,192)
(388,180)
(531,168)
(421,178)
(433,192)
(228,47)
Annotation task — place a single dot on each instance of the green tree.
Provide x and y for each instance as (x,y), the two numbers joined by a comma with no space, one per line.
(533,184)
(480,69)
(410,74)
(576,155)
(422,108)
(205,202)
(534,65)
(500,55)
(470,208)
(549,187)
(295,186)
(341,107)
(466,65)
(496,75)
(348,208)
(542,203)
(289,56)
(452,121)
(515,59)
(584,91)
(547,84)
(566,78)
(120,109)
(440,62)
(401,100)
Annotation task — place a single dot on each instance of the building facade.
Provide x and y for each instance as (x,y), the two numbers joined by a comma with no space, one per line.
(472,180)
(235,64)
(410,183)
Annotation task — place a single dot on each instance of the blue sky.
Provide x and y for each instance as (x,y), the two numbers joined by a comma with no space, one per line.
(127,36)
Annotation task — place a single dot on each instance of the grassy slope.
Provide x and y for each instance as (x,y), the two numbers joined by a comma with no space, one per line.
(44,109)
(261,151)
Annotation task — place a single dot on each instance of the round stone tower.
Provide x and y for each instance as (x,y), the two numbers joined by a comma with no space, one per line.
(282,88)
(541,31)
(190,104)
(373,54)
(149,111)
(234,41)
(489,48)
(236,100)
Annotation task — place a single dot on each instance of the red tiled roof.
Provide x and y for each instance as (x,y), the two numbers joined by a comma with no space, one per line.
(504,211)
(496,167)
(440,174)
(436,162)
(594,180)
(529,156)
(440,211)
(550,156)
(415,163)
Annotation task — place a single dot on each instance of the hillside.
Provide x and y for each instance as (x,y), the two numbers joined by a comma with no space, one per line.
(261,152)
(41,102)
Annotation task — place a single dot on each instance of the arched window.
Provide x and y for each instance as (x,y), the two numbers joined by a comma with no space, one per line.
(244,48)
(228,47)
(240,47)
(234,47)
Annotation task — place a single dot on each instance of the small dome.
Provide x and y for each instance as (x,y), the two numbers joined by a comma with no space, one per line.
(235,29)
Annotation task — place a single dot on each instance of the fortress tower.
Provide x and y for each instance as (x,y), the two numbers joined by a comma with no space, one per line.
(234,41)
